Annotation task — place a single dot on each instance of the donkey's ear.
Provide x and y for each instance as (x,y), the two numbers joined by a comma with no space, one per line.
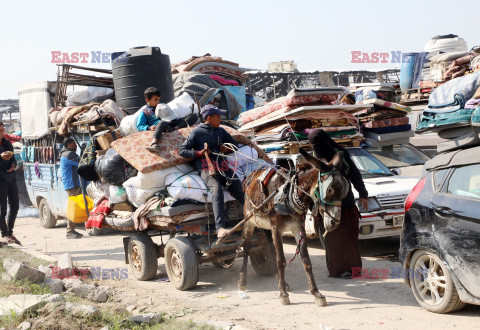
(314,161)
(337,161)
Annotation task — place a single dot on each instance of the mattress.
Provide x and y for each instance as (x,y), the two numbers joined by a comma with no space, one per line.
(400,121)
(133,149)
(386,104)
(389,129)
(294,99)
(439,121)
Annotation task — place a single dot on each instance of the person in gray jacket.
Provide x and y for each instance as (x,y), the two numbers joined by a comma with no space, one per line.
(194,147)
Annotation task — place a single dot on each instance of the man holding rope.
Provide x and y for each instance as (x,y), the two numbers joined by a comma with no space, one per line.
(211,134)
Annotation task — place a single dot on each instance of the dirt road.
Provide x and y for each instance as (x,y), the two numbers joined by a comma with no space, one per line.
(359,303)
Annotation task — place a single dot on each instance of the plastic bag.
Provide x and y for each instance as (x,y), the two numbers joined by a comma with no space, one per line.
(156,179)
(137,196)
(117,194)
(113,168)
(128,125)
(190,186)
(182,105)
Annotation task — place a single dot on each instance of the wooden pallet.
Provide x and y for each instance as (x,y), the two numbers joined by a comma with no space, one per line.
(414,96)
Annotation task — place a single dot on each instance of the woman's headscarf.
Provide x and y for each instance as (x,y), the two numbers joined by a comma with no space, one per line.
(323,145)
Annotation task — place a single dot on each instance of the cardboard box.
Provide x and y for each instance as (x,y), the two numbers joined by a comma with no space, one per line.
(101,152)
(105,138)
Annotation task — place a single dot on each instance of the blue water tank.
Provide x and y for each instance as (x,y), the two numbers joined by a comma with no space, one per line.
(136,70)
(407,70)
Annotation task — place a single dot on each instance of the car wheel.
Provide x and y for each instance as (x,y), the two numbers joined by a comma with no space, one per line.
(46,217)
(432,284)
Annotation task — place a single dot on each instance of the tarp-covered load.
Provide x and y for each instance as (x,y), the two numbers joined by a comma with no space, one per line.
(35,101)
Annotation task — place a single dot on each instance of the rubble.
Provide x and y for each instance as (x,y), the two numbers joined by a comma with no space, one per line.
(19,271)
(22,304)
(88,291)
(65,261)
(55,285)
(150,318)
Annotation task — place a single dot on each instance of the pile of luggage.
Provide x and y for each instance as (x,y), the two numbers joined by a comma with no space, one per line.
(128,181)
(454,112)
(282,125)
(386,121)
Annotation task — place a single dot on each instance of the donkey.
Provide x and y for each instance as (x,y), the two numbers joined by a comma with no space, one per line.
(333,187)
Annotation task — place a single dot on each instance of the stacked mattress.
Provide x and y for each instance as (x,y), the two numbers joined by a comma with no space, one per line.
(384,121)
(453,111)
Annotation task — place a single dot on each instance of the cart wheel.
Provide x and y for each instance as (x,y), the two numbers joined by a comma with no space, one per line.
(181,263)
(264,261)
(95,231)
(142,256)
(46,217)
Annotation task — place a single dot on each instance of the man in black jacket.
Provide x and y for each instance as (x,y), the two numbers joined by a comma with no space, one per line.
(8,189)
(194,147)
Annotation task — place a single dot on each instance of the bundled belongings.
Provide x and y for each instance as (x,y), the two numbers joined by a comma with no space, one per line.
(113,169)
(283,125)
(211,65)
(385,121)
(88,114)
(133,149)
(453,111)
(295,98)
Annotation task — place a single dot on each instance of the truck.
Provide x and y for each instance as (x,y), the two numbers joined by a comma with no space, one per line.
(42,142)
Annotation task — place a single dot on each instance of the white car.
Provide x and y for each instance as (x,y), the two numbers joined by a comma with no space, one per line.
(387,194)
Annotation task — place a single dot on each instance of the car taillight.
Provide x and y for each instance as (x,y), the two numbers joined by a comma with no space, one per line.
(414,193)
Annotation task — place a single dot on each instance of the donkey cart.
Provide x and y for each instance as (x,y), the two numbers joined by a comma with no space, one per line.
(191,243)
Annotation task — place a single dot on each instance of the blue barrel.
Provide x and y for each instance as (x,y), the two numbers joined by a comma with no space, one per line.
(136,70)
(407,70)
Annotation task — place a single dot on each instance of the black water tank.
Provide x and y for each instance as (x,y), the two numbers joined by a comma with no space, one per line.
(136,70)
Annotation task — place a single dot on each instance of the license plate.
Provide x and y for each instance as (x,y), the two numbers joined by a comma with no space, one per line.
(398,220)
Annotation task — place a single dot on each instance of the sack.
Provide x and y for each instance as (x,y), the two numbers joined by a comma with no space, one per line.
(113,168)
(117,195)
(191,186)
(128,125)
(156,179)
(136,195)
(182,105)
(86,166)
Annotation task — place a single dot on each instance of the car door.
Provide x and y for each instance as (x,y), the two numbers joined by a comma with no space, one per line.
(455,214)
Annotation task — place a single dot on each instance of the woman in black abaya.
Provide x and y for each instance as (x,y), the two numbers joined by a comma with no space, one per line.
(342,251)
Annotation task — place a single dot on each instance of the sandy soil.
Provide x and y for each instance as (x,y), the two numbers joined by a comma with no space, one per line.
(359,303)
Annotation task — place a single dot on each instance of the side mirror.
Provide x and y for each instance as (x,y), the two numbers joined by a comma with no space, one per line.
(396,171)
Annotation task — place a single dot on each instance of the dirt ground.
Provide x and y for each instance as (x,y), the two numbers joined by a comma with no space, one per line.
(358,303)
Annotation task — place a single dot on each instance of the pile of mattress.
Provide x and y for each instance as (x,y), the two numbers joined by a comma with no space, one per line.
(454,112)
(283,125)
(384,121)
(211,65)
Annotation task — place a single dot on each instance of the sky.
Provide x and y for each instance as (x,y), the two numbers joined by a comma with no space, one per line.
(317,35)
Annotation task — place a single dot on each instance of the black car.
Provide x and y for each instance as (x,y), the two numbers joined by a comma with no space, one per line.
(440,242)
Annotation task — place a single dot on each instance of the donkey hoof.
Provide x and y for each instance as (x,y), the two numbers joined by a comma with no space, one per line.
(285,300)
(321,301)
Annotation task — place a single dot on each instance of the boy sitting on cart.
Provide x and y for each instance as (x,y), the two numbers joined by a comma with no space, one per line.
(214,136)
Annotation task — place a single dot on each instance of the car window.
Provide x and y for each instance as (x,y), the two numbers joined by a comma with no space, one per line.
(438,178)
(465,181)
(399,155)
(367,164)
